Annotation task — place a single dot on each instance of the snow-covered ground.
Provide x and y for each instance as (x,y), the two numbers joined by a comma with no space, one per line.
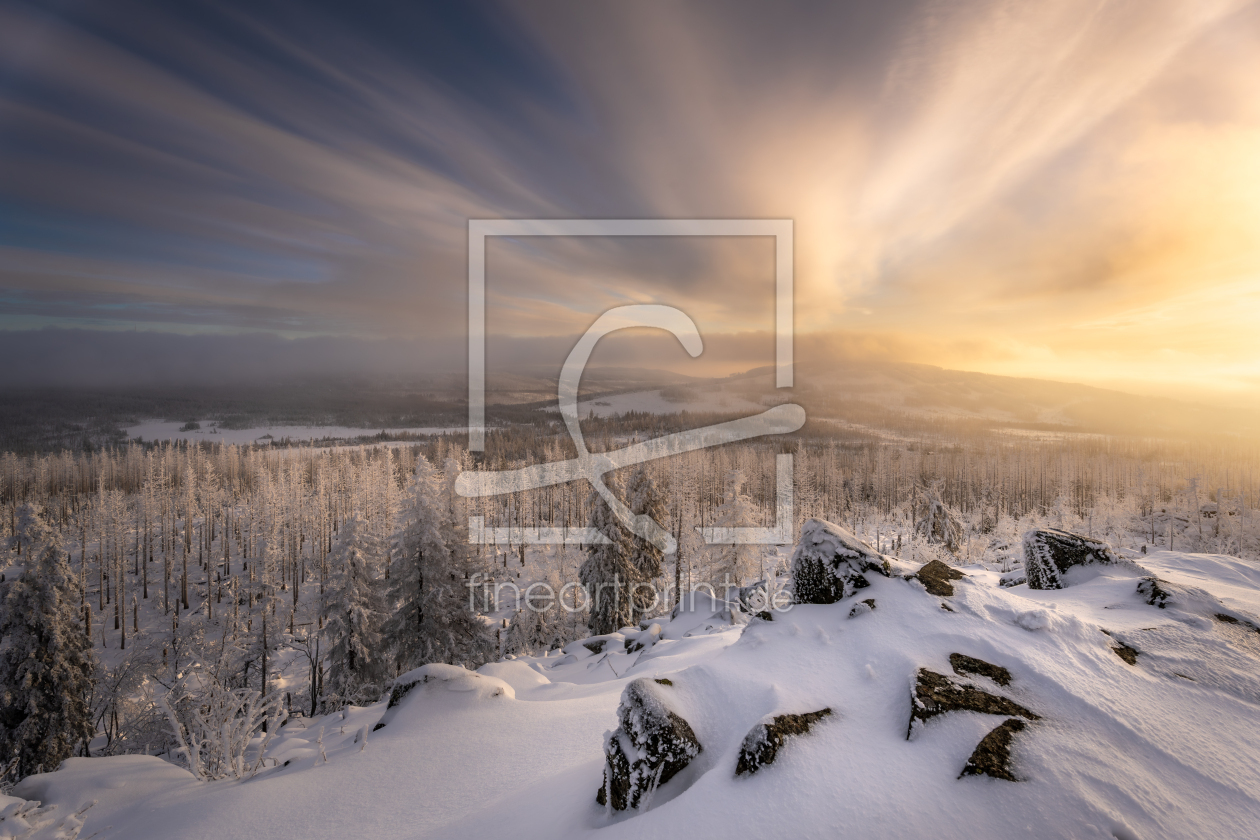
(1165,748)
(158,430)
(701,400)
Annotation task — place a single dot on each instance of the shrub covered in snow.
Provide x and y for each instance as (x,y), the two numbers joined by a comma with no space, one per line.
(215,725)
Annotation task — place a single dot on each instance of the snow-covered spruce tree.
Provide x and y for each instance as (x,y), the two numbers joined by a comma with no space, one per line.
(609,572)
(539,624)
(644,497)
(733,565)
(353,615)
(47,668)
(432,620)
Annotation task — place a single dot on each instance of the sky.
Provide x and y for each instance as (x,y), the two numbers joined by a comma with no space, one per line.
(1066,189)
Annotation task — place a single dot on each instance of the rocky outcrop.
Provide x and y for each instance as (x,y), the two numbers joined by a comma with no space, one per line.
(1126,653)
(648,748)
(1225,618)
(1156,592)
(992,756)
(936,576)
(935,694)
(963,664)
(1049,553)
(762,744)
(830,564)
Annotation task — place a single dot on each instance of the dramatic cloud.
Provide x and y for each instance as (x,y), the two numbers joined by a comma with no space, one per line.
(1061,189)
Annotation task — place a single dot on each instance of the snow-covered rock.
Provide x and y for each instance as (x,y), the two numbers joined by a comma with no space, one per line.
(830,563)
(517,674)
(1050,554)
(1014,577)
(470,685)
(936,694)
(992,756)
(648,749)
(642,639)
(763,742)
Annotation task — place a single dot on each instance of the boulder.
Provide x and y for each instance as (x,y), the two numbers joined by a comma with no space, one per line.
(1126,653)
(1049,553)
(594,645)
(992,756)
(643,639)
(762,743)
(936,576)
(436,675)
(935,694)
(963,664)
(830,564)
(865,606)
(648,748)
(1014,577)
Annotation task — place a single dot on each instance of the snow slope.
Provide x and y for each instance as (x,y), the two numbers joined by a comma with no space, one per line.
(1166,748)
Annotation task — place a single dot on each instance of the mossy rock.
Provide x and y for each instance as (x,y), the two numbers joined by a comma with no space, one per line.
(762,744)
(992,756)
(963,664)
(935,694)
(936,576)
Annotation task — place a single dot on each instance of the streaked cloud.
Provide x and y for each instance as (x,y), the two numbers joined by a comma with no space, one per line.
(1063,189)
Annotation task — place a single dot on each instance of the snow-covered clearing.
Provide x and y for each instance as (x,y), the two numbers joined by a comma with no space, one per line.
(1166,748)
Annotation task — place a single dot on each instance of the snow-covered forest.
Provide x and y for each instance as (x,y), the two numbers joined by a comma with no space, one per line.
(310,577)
